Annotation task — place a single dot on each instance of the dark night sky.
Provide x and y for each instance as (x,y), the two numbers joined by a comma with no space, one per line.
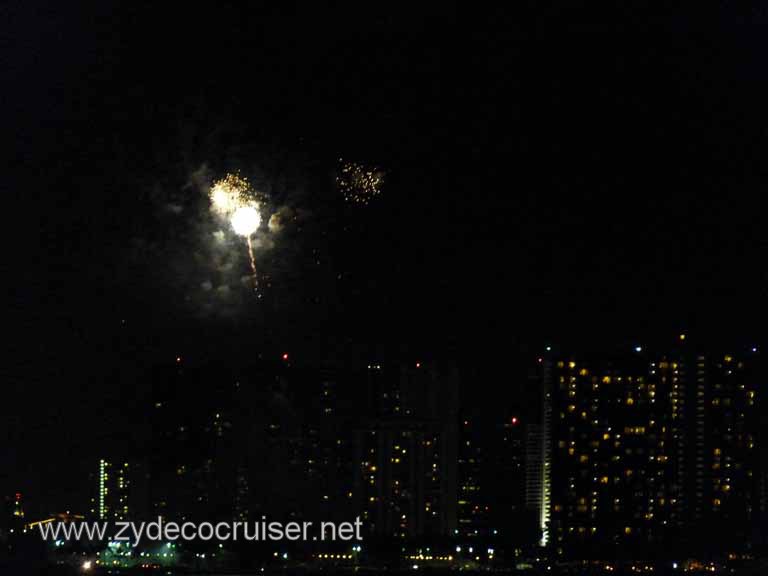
(555,172)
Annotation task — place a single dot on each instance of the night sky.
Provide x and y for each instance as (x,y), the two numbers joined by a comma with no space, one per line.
(553,173)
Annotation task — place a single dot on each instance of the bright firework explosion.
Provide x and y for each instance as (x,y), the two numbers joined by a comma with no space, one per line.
(233,199)
(359,184)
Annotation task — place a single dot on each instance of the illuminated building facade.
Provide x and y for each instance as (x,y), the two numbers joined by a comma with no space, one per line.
(492,512)
(538,452)
(535,482)
(715,426)
(647,450)
(611,473)
(473,512)
(113,491)
(406,453)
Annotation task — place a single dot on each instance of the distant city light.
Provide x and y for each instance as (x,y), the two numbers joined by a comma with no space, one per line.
(682,337)
(87,565)
(514,419)
(285,356)
(418,364)
(178,359)
(638,348)
(549,348)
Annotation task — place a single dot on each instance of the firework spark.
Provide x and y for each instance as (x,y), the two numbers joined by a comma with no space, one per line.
(358,183)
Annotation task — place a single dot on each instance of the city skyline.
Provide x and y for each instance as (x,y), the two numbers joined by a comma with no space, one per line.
(341,437)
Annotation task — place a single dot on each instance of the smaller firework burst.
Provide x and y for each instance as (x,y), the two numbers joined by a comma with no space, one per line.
(358,183)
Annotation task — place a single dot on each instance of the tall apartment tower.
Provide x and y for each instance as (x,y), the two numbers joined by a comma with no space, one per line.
(538,453)
(405,456)
(647,449)
(114,489)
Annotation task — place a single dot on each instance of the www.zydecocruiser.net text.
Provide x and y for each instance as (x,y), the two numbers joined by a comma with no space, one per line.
(161,531)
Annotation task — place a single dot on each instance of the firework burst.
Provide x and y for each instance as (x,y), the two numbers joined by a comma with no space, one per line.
(233,199)
(359,184)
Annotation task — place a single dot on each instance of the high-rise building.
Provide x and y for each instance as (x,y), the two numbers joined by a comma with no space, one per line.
(645,450)
(198,463)
(538,450)
(114,489)
(715,431)
(512,522)
(611,481)
(474,495)
(405,454)
(492,514)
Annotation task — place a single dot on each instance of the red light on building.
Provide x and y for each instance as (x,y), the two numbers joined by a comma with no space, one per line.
(418,364)
(285,356)
(514,420)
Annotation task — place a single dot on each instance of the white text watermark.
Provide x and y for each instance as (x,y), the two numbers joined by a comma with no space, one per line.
(161,531)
